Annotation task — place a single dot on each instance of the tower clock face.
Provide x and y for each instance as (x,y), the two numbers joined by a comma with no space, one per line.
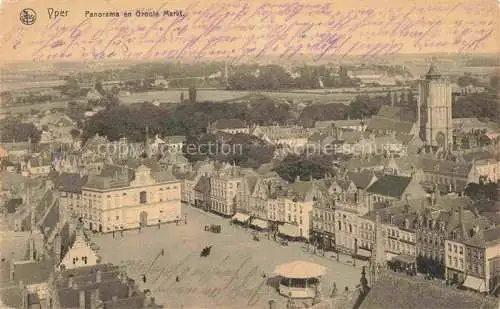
(440,139)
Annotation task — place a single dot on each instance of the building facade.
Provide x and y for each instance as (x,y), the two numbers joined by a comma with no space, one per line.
(130,199)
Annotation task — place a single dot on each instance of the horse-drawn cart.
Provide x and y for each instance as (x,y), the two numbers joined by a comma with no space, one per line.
(214,228)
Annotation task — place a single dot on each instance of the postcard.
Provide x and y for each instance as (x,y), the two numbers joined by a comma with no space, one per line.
(238,154)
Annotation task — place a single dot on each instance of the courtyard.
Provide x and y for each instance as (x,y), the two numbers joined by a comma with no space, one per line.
(234,275)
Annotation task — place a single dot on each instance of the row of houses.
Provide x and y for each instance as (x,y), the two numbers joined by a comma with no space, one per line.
(343,213)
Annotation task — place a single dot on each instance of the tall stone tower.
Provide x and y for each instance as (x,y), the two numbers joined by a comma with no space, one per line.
(434,109)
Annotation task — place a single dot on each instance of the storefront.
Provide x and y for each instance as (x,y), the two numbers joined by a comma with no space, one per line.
(259,224)
(403,263)
(288,230)
(475,283)
(240,218)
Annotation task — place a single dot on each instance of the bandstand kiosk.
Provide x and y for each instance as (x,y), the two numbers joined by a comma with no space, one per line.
(299,279)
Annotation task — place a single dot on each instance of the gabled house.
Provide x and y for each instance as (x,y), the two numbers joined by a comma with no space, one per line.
(39,166)
(294,208)
(80,254)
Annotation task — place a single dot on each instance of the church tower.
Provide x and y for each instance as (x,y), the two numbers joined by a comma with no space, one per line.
(434,109)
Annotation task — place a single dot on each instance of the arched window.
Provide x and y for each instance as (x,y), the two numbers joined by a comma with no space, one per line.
(143,197)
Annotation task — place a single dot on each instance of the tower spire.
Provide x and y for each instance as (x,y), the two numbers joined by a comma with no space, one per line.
(32,207)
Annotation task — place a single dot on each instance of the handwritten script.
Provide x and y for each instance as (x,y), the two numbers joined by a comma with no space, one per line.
(240,30)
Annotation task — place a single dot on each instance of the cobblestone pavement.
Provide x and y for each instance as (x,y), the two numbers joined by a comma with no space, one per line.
(232,276)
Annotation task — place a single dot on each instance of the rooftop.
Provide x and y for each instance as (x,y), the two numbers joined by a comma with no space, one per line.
(398,291)
(390,185)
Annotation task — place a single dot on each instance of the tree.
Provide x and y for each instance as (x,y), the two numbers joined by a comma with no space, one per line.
(467,80)
(481,191)
(74,133)
(71,88)
(495,82)
(100,89)
(365,106)
(319,112)
(14,130)
(294,166)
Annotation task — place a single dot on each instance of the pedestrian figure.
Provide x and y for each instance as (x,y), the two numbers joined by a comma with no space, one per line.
(177,279)
(162,251)
(144,278)
(113,233)
(334,290)
(121,233)
(139,228)
(185,219)
(346,288)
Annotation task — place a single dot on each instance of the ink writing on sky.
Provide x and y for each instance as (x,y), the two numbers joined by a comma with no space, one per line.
(245,31)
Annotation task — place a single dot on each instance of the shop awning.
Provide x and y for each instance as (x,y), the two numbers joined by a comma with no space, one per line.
(474,283)
(259,223)
(289,230)
(364,252)
(240,217)
(404,259)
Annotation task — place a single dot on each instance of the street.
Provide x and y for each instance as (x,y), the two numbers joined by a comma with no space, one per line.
(232,276)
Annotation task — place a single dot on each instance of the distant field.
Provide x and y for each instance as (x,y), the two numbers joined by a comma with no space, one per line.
(10,86)
(27,108)
(173,96)
(317,96)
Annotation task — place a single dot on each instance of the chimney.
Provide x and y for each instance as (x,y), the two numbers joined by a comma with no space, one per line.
(12,269)
(98,277)
(81,300)
(130,290)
